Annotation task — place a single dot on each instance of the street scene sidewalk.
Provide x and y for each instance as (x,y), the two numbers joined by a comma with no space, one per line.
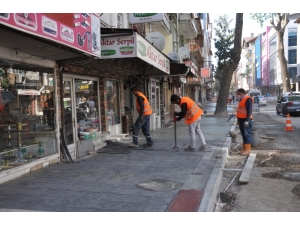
(121,179)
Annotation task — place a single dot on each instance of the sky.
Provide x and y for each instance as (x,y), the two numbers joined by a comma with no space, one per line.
(249,26)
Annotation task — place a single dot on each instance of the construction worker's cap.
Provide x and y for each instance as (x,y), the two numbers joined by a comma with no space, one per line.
(174,98)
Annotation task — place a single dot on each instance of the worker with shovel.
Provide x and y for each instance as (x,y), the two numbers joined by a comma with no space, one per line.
(191,113)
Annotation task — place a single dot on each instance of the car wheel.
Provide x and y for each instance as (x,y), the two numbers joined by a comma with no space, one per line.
(284,113)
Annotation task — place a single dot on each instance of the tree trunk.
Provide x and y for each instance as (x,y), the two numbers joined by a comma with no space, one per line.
(283,63)
(281,22)
(221,107)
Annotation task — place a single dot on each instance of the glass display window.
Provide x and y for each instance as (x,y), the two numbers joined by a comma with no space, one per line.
(86,98)
(27,119)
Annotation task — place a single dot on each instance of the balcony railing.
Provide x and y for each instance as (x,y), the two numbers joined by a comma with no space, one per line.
(187,26)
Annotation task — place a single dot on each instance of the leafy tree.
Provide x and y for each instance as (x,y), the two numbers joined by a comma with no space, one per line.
(228,44)
(246,72)
(279,25)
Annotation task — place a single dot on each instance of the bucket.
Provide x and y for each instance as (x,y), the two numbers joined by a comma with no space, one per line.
(255,138)
(93,133)
(85,135)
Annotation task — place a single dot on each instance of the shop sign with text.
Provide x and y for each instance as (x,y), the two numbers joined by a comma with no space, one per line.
(118,47)
(205,72)
(151,55)
(145,17)
(77,30)
(134,46)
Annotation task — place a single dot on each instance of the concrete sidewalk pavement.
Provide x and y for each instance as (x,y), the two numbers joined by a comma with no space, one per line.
(120,179)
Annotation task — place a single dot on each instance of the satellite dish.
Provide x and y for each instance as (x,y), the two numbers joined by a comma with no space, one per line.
(174,56)
(184,52)
(156,39)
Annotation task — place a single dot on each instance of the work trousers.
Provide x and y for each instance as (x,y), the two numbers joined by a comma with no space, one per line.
(145,125)
(246,131)
(194,128)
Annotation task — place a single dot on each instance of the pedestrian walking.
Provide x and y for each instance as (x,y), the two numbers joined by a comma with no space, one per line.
(191,113)
(244,117)
(144,109)
(233,99)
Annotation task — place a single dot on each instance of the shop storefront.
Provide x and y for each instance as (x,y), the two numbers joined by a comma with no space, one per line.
(30,107)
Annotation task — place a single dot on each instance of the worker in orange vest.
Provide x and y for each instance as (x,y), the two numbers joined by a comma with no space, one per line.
(144,109)
(244,117)
(191,113)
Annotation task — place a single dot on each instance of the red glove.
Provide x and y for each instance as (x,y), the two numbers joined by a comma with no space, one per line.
(175,119)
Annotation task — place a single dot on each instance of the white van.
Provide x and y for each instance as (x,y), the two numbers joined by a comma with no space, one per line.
(253,93)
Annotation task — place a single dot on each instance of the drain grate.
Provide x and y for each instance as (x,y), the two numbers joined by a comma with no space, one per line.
(160,185)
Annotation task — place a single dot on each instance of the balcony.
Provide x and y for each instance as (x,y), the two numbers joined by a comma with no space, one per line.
(159,21)
(187,26)
(162,26)
(248,53)
(194,81)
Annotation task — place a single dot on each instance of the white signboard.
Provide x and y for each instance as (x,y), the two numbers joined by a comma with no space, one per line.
(151,55)
(145,17)
(28,92)
(134,46)
(118,47)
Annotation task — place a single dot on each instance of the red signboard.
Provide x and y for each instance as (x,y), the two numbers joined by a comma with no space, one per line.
(77,30)
(205,72)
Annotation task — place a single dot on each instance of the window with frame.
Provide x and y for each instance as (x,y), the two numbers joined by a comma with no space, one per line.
(273,75)
(292,72)
(119,20)
(273,45)
(292,53)
(263,49)
(273,62)
(292,37)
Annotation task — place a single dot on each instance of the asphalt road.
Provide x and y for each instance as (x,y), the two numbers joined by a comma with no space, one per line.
(271,110)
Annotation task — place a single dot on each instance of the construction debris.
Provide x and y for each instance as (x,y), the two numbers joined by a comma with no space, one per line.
(245,176)
(265,137)
(233,136)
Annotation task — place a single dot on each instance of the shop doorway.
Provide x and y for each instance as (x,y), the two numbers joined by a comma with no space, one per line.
(155,104)
(81,106)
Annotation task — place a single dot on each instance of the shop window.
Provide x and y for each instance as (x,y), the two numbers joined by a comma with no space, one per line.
(113,102)
(27,120)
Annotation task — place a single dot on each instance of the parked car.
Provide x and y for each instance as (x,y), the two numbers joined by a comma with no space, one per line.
(262,100)
(288,105)
(284,94)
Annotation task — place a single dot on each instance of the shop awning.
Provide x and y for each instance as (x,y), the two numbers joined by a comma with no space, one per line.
(134,46)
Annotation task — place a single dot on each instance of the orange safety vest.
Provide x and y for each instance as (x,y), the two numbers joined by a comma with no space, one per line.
(147,106)
(241,112)
(193,111)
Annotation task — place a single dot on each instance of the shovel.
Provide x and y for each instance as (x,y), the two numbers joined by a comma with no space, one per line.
(175,147)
